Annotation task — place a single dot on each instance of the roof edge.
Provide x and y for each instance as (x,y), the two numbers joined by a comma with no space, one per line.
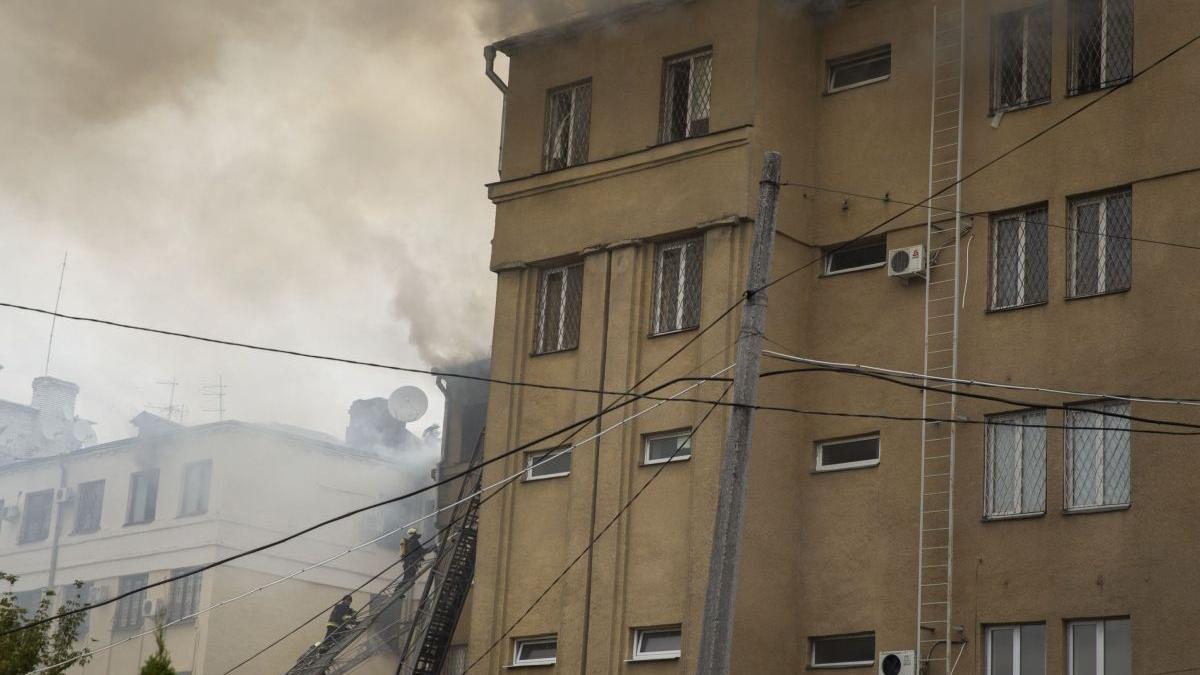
(583,22)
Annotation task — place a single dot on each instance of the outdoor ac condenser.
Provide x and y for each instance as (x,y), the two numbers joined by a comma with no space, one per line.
(898,663)
(906,262)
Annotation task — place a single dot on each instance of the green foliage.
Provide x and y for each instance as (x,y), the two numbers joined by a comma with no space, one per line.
(159,662)
(44,645)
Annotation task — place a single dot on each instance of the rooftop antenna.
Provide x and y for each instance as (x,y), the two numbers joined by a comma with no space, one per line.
(170,410)
(53,317)
(215,391)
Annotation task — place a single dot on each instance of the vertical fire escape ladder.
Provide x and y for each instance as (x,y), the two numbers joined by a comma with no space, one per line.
(935,629)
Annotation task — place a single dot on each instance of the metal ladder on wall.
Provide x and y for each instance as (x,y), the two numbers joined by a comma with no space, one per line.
(935,559)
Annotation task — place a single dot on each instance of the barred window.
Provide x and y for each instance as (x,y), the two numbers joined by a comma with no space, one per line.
(1015,466)
(143,497)
(1021,58)
(1099,244)
(677,272)
(35,522)
(456,660)
(128,614)
(560,293)
(568,118)
(75,596)
(91,504)
(1101,44)
(1098,451)
(183,595)
(196,479)
(1019,269)
(687,83)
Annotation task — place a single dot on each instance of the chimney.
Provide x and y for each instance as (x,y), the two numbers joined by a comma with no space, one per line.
(54,399)
(372,427)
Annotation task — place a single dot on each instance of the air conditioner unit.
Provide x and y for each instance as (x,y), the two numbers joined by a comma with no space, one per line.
(151,608)
(63,495)
(10,512)
(902,662)
(907,262)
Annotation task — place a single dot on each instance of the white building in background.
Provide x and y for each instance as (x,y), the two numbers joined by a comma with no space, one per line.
(118,515)
(47,426)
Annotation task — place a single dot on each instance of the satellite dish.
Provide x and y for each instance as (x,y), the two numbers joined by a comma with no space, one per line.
(81,430)
(407,404)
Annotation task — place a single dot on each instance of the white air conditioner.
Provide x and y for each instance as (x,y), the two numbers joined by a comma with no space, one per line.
(907,262)
(63,495)
(902,662)
(10,512)
(151,608)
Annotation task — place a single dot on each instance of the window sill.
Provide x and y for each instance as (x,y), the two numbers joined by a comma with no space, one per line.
(852,270)
(1089,296)
(667,333)
(844,666)
(1017,107)
(515,666)
(652,659)
(138,522)
(564,350)
(79,533)
(657,462)
(534,479)
(1002,310)
(1099,88)
(1013,516)
(836,469)
(192,515)
(856,85)
(1084,510)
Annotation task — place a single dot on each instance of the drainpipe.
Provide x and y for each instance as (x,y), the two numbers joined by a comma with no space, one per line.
(489,57)
(58,518)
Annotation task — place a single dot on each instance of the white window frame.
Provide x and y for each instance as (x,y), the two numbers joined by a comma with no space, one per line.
(877,54)
(536,456)
(1098,625)
(545,639)
(640,654)
(829,272)
(822,467)
(680,299)
(812,652)
(564,271)
(1101,202)
(679,456)
(989,507)
(1015,629)
(1072,501)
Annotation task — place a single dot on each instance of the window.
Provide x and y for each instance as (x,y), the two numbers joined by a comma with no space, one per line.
(859,69)
(560,294)
(1101,44)
(1098,244)
(1097,455)
(1015,466)
(670,446)
(858,256)
(657,644)
(143,496)
(839,651)
(548,463)
(183,595)
(1100,647)
(687,83)
(456,660)
(128,614)
(1021,58)
(535,651)
(30,601)
(568,116)
(74,597)
(1019,269)
(91,503)
(35,522)
(848,453)
(677,271)
(196,479)
(1016,650)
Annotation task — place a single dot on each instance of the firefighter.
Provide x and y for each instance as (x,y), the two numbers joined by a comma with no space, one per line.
(410,552)
(339,619)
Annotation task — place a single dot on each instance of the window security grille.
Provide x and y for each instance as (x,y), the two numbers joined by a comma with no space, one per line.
(1016,650)
(1021,58)
(1101,44)
(1015,466)
(560,293)
(183,596)
(568,122)
(1098,451)
(35,522)
(456,660)
(128,614)
(1099,244)
(1019,268)
(687,84)
(91,505)
(677,272)
(1100,647)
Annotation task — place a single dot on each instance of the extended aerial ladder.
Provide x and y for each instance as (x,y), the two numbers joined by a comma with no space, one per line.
(936,637)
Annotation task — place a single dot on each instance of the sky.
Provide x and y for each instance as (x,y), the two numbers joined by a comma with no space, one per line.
(292,173)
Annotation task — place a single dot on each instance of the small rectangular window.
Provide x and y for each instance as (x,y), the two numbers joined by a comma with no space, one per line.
(1098,455)
(143,497)
(196,479)
(29,601)
(183,595)
(1015,466)
(90,507)
(843,651)
(1099,247)
(568,116)
(560,294)
(128,614)
(677,281)
(1099,647)
(670,446)
(858,256)
(1101,44)
(856,70)
(848,453)
(657,644)
(35,521)
(1021,58)
(548,463)
(687,84)
(76,596)
(1016,650)
(1018,249)
(535,651)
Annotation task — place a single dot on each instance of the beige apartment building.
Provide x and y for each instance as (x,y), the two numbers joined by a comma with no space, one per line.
(632,147)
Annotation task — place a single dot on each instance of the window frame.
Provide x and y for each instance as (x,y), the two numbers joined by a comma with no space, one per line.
(1016,656)
(1099,199)
(126,583)
(639,634)
(79,512)
(1070,503)
(1074,88)
(833,251)
(858,58)
(686,432)
(812,651)
(666,120)
(517,661)
(1100,625)
(989,510)
(204,498)
(819,465)
(1024,222)
(186,594)
(577,118)
(564,301)
(152,505)
(24,536)
(534,456)
(995,104)
(680,322)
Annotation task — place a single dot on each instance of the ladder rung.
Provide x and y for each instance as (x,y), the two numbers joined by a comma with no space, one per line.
(942,492)
(943,316)
(937,457)
(948,112)
(936,510)
(936,565)
(936,529)
(930,604)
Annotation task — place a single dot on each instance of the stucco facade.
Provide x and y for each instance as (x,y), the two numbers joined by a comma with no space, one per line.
(831,553)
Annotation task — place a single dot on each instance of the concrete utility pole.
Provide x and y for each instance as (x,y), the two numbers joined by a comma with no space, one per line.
(716,636)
